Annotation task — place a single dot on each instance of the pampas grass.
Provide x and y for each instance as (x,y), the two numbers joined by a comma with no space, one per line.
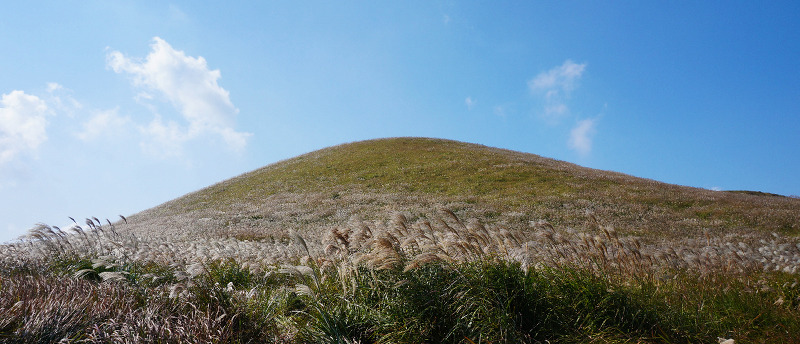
(509,247)
(434,279)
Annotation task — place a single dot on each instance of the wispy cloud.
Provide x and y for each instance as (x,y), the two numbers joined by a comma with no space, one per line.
(54,86)
(500,111)
(60,100)
(167,139)
(555,86)
(580,137)
(22,125)
(470,103)
(190,87)
(177,14)
(106,123)
(562,77)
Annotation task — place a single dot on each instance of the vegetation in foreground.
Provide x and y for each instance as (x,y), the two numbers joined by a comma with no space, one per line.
(669,264)
(440,282)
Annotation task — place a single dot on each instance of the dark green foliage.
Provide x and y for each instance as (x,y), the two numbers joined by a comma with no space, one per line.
(501,303)
(478,302)
(224,272)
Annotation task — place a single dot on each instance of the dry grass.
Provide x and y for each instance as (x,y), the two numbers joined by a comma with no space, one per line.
(48,309)
(372,179)
(267,253)
(193,297)
(253,216)
(445,237)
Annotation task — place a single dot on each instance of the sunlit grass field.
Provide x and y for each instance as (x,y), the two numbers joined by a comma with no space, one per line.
(417,241)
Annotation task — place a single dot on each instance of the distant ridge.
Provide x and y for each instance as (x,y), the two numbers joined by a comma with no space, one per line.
(371,180)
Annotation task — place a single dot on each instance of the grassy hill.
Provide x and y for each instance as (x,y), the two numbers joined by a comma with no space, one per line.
(374,179)
(413,240)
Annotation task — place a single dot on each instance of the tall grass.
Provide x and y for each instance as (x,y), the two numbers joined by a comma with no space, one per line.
(441,280)
(311,250)
(373,178)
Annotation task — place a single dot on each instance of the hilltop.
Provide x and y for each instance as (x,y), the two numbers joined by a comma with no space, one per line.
(415,240)
(372,180)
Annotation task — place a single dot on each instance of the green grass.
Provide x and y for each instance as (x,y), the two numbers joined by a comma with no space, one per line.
(364,178)
(486,301)
(432,288)
(618,259)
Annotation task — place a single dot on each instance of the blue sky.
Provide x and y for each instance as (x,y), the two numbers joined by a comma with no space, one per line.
(114,107)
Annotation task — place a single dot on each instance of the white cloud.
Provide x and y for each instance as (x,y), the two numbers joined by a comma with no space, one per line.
(556,109)
(167,139)
(470,102)
(105,123)
(555,86)
(53,86)
(22,124)
(190,87)
(580,138)
(61,101)
(561,77)
(500,111)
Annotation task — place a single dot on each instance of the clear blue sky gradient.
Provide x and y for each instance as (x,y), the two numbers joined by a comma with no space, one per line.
(703,93)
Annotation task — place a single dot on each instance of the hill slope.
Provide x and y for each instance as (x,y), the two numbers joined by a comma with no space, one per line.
(371,180)
(222,264)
